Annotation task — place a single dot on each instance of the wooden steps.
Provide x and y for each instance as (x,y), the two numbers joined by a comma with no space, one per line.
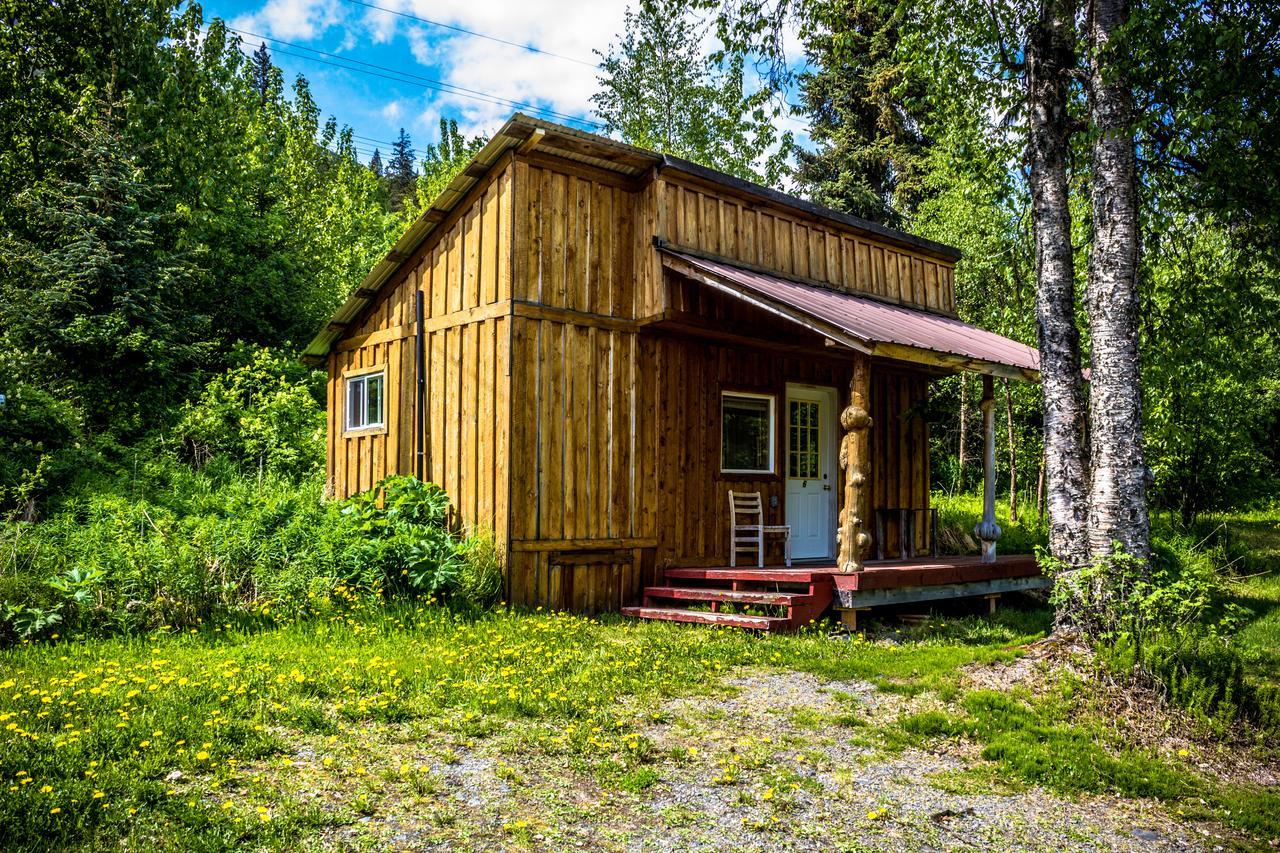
(795,597)
(707,617)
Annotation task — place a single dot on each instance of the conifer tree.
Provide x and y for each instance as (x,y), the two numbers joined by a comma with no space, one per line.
(401,170)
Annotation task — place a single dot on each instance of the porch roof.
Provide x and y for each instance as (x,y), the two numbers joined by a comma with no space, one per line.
(866,324)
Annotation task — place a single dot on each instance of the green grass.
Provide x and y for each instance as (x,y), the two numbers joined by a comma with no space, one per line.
(1251,541)
(957,515)
(92,732)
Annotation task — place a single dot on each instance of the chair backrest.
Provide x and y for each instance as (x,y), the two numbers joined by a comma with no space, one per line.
(745,503)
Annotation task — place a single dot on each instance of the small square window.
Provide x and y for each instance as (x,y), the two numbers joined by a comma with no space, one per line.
(746,433)
(365,395)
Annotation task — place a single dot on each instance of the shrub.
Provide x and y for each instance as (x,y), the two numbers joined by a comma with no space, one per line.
(262,414)
(216,544)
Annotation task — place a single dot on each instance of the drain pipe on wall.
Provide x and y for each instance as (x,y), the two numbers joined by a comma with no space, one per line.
(420,369)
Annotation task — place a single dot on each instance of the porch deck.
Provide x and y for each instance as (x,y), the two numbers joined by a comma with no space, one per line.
(805,592)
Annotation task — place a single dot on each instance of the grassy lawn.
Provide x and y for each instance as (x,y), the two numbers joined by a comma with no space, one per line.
(1252,540)
(336,732)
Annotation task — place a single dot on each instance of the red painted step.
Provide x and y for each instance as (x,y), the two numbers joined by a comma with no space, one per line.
(799,576)
(781,599)
(703,617)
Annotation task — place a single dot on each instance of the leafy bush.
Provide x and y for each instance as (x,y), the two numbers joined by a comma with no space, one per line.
(262,414)
(216,544)
(403,538)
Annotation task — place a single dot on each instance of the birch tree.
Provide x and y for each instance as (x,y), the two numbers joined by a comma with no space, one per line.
(1051,60)
(1118,481)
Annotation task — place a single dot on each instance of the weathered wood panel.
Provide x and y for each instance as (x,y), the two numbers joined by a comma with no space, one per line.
(464,275)
(576,240)
(716,221)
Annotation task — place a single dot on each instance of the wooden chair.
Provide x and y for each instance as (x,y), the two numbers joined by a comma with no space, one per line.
(750,536)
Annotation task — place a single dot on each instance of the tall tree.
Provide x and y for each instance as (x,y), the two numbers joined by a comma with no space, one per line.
(1118,476)
(260,70)
(659,90)
(375,163)
(855,94)
(1051,62)
(402,171)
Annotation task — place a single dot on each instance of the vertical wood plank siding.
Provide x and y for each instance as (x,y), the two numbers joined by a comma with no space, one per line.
(465,278)
(562,417)
(713,221)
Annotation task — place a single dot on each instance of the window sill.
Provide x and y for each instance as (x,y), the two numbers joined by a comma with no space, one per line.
(363,431)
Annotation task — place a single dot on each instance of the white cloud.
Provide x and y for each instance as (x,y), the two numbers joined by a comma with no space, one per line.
(507,73)
(392,110)
(292,19)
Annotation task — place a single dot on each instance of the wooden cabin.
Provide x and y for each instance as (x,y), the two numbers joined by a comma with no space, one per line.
(589,345)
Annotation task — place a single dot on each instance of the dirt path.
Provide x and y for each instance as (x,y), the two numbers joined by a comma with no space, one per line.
(778,761)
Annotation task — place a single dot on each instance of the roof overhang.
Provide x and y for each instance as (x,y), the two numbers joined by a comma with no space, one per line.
(864,324)
(522,133)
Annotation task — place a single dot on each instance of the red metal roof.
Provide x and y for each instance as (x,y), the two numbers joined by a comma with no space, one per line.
(867,321)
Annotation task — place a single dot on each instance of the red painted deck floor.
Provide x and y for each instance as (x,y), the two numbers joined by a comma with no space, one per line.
(800,593)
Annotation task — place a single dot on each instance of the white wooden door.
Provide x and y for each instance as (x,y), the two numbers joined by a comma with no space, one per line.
(810,468)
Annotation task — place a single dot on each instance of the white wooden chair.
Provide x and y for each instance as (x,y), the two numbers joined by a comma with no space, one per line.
(750,536)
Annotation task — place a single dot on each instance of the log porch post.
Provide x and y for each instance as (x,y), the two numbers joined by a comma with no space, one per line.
(987,531)
(855,452)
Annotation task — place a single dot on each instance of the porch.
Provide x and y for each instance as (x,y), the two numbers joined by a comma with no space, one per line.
(782,598)
(845,466)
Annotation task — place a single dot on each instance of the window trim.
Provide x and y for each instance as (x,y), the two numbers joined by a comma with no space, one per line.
(362,375)
(773,432)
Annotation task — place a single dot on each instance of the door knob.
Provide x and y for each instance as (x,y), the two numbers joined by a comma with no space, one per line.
(826,488)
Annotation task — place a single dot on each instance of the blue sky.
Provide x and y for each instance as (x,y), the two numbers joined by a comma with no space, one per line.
(376,108)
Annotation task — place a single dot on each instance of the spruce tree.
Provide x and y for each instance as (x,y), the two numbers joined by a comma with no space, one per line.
(261,62)
(401,171)
(870,148)
(375,162)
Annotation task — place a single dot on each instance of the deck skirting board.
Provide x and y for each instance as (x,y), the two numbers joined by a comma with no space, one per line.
(848,599)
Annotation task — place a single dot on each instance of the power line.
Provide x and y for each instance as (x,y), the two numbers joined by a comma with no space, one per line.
(456,29)
(346,63)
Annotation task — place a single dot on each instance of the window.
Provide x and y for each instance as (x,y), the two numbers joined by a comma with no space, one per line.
(746,433)
(365,394)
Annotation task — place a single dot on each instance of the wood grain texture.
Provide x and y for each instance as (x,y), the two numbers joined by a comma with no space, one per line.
(717,222)
(574,386)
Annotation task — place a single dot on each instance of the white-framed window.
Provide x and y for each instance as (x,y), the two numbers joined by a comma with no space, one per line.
(746,433)
(366,401)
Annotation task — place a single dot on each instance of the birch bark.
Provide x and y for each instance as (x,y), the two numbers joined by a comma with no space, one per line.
(1118,489)
(1051,58)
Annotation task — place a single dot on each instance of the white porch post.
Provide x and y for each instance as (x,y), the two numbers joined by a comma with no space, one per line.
(987,531)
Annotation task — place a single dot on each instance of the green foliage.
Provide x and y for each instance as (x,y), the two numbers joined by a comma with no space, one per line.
(170,546)
(164,200)
(403,536)
(442,162)
(659,91)
(479,583)
(262,414)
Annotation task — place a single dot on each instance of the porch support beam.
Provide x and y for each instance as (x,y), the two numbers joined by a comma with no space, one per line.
(855,459)
(987,531)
